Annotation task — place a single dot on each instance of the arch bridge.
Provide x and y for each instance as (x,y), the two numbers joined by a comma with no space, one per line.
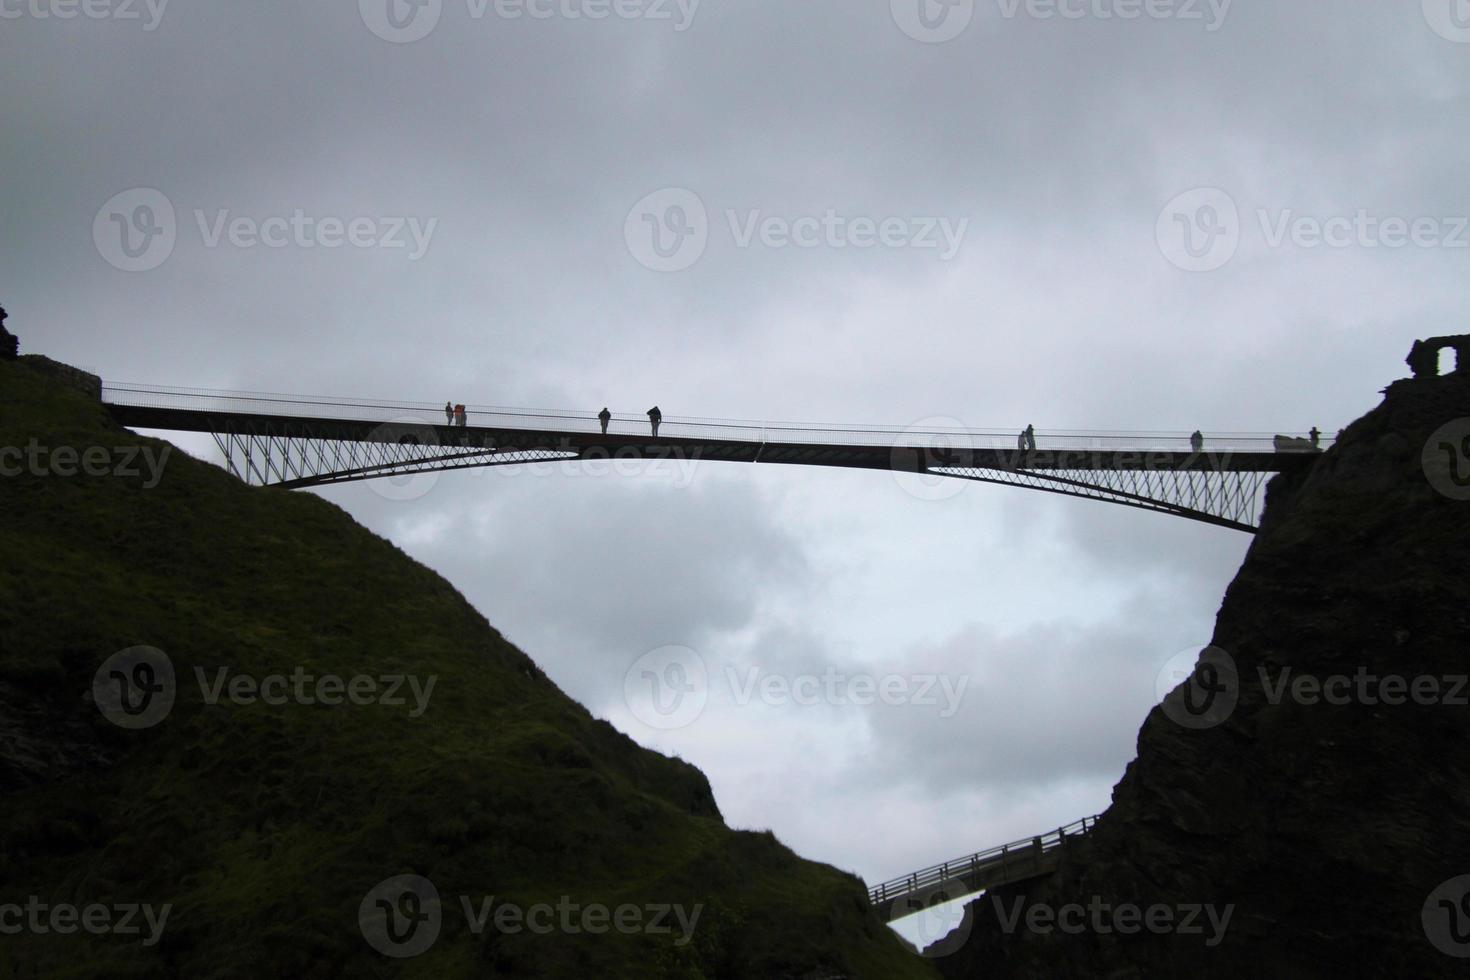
(295,441)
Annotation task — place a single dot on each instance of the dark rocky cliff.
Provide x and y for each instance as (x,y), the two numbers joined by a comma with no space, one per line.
(1331,833)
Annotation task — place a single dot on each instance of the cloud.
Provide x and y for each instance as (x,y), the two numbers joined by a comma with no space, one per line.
(1058,140)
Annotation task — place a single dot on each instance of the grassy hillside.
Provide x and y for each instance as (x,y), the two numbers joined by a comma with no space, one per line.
(264,826)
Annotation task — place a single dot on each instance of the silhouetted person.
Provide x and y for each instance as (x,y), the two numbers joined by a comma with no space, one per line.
(1316,435)
(604,417)
(1031,437)
(654,418)
(1197,441)
(448,414)
(9,343)
(1021,441)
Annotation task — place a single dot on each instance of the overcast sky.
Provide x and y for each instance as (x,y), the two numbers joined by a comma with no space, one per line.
(1097,214)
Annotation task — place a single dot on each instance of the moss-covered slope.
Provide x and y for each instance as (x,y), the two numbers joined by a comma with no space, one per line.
(263,827)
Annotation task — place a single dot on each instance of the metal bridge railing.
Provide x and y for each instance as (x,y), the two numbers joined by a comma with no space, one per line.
(1024,849)
(558,420)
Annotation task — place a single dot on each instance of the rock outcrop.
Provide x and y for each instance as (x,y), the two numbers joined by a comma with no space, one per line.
(1316,789)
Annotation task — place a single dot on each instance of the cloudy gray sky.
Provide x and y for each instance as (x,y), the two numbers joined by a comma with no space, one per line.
(1097,214)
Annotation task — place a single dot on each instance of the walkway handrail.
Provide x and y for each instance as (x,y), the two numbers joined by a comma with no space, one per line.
(562,420)
(949,870)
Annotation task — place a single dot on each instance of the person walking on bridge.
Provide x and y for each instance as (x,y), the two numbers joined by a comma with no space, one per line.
(460,418)
(654,418)
(604,417)
(1031,437)
(1197,441)
(448,414)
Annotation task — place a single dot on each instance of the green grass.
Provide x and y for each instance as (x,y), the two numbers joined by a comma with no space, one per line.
(265,826)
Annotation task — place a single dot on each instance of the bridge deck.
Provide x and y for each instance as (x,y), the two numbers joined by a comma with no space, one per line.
(913,449)
(1017,861)
(299,441)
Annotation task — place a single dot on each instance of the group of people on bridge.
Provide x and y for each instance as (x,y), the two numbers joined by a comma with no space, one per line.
(455,415)
(1026,441)
(655,419)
